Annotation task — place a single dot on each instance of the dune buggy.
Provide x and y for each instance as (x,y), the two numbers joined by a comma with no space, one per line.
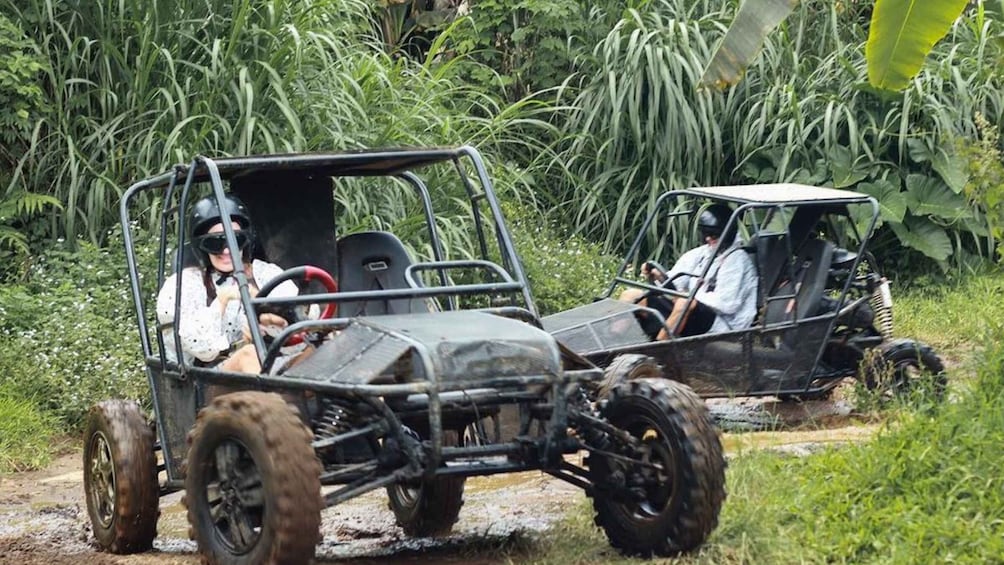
(824,311)
(426,371)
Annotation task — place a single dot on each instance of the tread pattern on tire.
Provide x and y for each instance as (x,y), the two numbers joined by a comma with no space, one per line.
(290,474)
(628,367)
(438,506)
(701,473)
(904,349)
(137,492)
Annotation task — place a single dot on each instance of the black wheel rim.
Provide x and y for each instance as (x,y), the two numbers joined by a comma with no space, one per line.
(236,496)
(654,482)
(101,484)
(409,494)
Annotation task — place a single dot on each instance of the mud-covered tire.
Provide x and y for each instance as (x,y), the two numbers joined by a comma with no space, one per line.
(120,477)
(901,367)
(628,367)
(252,485)
(679,511)
(428,507)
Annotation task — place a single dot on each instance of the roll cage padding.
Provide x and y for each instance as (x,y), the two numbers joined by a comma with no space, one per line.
(375,260)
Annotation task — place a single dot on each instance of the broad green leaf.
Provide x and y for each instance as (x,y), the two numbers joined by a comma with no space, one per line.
(892,201)
(924,236)
(742,42)
(946,163)
(918,150)
(846,170)
(929,196)
(952,169)
(902,34)
(976,226)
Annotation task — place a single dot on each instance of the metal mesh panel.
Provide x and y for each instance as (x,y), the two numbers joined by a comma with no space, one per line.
(602,325)
(584,314)
(358,354)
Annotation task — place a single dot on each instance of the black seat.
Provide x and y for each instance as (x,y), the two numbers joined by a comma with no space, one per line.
(799,291)
(772,256)
(374,260)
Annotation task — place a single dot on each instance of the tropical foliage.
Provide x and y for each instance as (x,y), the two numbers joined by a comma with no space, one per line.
(803,113)
(140,89)
(901,35)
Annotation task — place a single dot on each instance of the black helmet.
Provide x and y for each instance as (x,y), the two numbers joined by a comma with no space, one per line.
(713,220)
(206,214)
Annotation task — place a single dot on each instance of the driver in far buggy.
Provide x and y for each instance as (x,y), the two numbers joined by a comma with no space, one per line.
(725,300)
(212,326)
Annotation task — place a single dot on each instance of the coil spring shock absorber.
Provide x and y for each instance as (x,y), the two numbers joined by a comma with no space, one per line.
(881,303)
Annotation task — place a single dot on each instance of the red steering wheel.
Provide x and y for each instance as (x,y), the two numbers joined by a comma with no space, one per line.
(305,273)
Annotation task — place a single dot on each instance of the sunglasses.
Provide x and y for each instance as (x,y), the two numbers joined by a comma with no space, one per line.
(215,243)
(706,233)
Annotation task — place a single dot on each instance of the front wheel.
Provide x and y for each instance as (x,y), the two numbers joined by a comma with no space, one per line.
(660,494)
(904,367)
(428,507)
(253,488)
(120,477)
(628,367)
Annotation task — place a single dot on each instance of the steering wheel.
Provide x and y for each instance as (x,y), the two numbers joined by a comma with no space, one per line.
(305,273)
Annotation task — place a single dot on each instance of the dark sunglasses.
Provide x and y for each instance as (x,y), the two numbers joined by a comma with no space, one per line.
(215,243)
(706,233)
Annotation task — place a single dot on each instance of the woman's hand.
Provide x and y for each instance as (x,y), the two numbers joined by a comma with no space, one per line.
(268,324)
(651,272)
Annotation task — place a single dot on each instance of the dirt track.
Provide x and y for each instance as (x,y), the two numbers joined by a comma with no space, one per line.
(43,518)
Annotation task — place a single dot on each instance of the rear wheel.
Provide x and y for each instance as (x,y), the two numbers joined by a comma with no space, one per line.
(120,477)
(667,501)
(253,488)
(428,507)
(904,367)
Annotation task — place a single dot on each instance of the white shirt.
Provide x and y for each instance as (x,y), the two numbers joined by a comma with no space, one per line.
(205,332)
(733,296)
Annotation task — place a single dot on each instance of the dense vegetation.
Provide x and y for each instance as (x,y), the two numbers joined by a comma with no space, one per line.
(585,111)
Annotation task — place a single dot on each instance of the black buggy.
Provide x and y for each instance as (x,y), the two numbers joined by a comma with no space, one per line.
(421,374)
(824,312)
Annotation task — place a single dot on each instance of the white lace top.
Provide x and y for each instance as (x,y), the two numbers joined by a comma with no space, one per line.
(203,331)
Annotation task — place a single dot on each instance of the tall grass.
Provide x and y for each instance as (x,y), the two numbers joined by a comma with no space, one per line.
(803,113)
(138,89)
(641,127)
(25,433)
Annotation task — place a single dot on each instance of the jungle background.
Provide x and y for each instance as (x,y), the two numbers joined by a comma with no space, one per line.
(585,111)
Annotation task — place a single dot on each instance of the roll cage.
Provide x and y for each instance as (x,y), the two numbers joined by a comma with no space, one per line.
(794,343)
(173,193)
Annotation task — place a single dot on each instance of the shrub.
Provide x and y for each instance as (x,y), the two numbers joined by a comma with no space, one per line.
(564,270)
(68,336)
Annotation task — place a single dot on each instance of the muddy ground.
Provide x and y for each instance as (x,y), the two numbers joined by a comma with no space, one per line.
(43,518)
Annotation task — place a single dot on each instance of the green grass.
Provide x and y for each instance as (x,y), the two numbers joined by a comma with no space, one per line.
(25,434)
(925,490)
(956,319)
